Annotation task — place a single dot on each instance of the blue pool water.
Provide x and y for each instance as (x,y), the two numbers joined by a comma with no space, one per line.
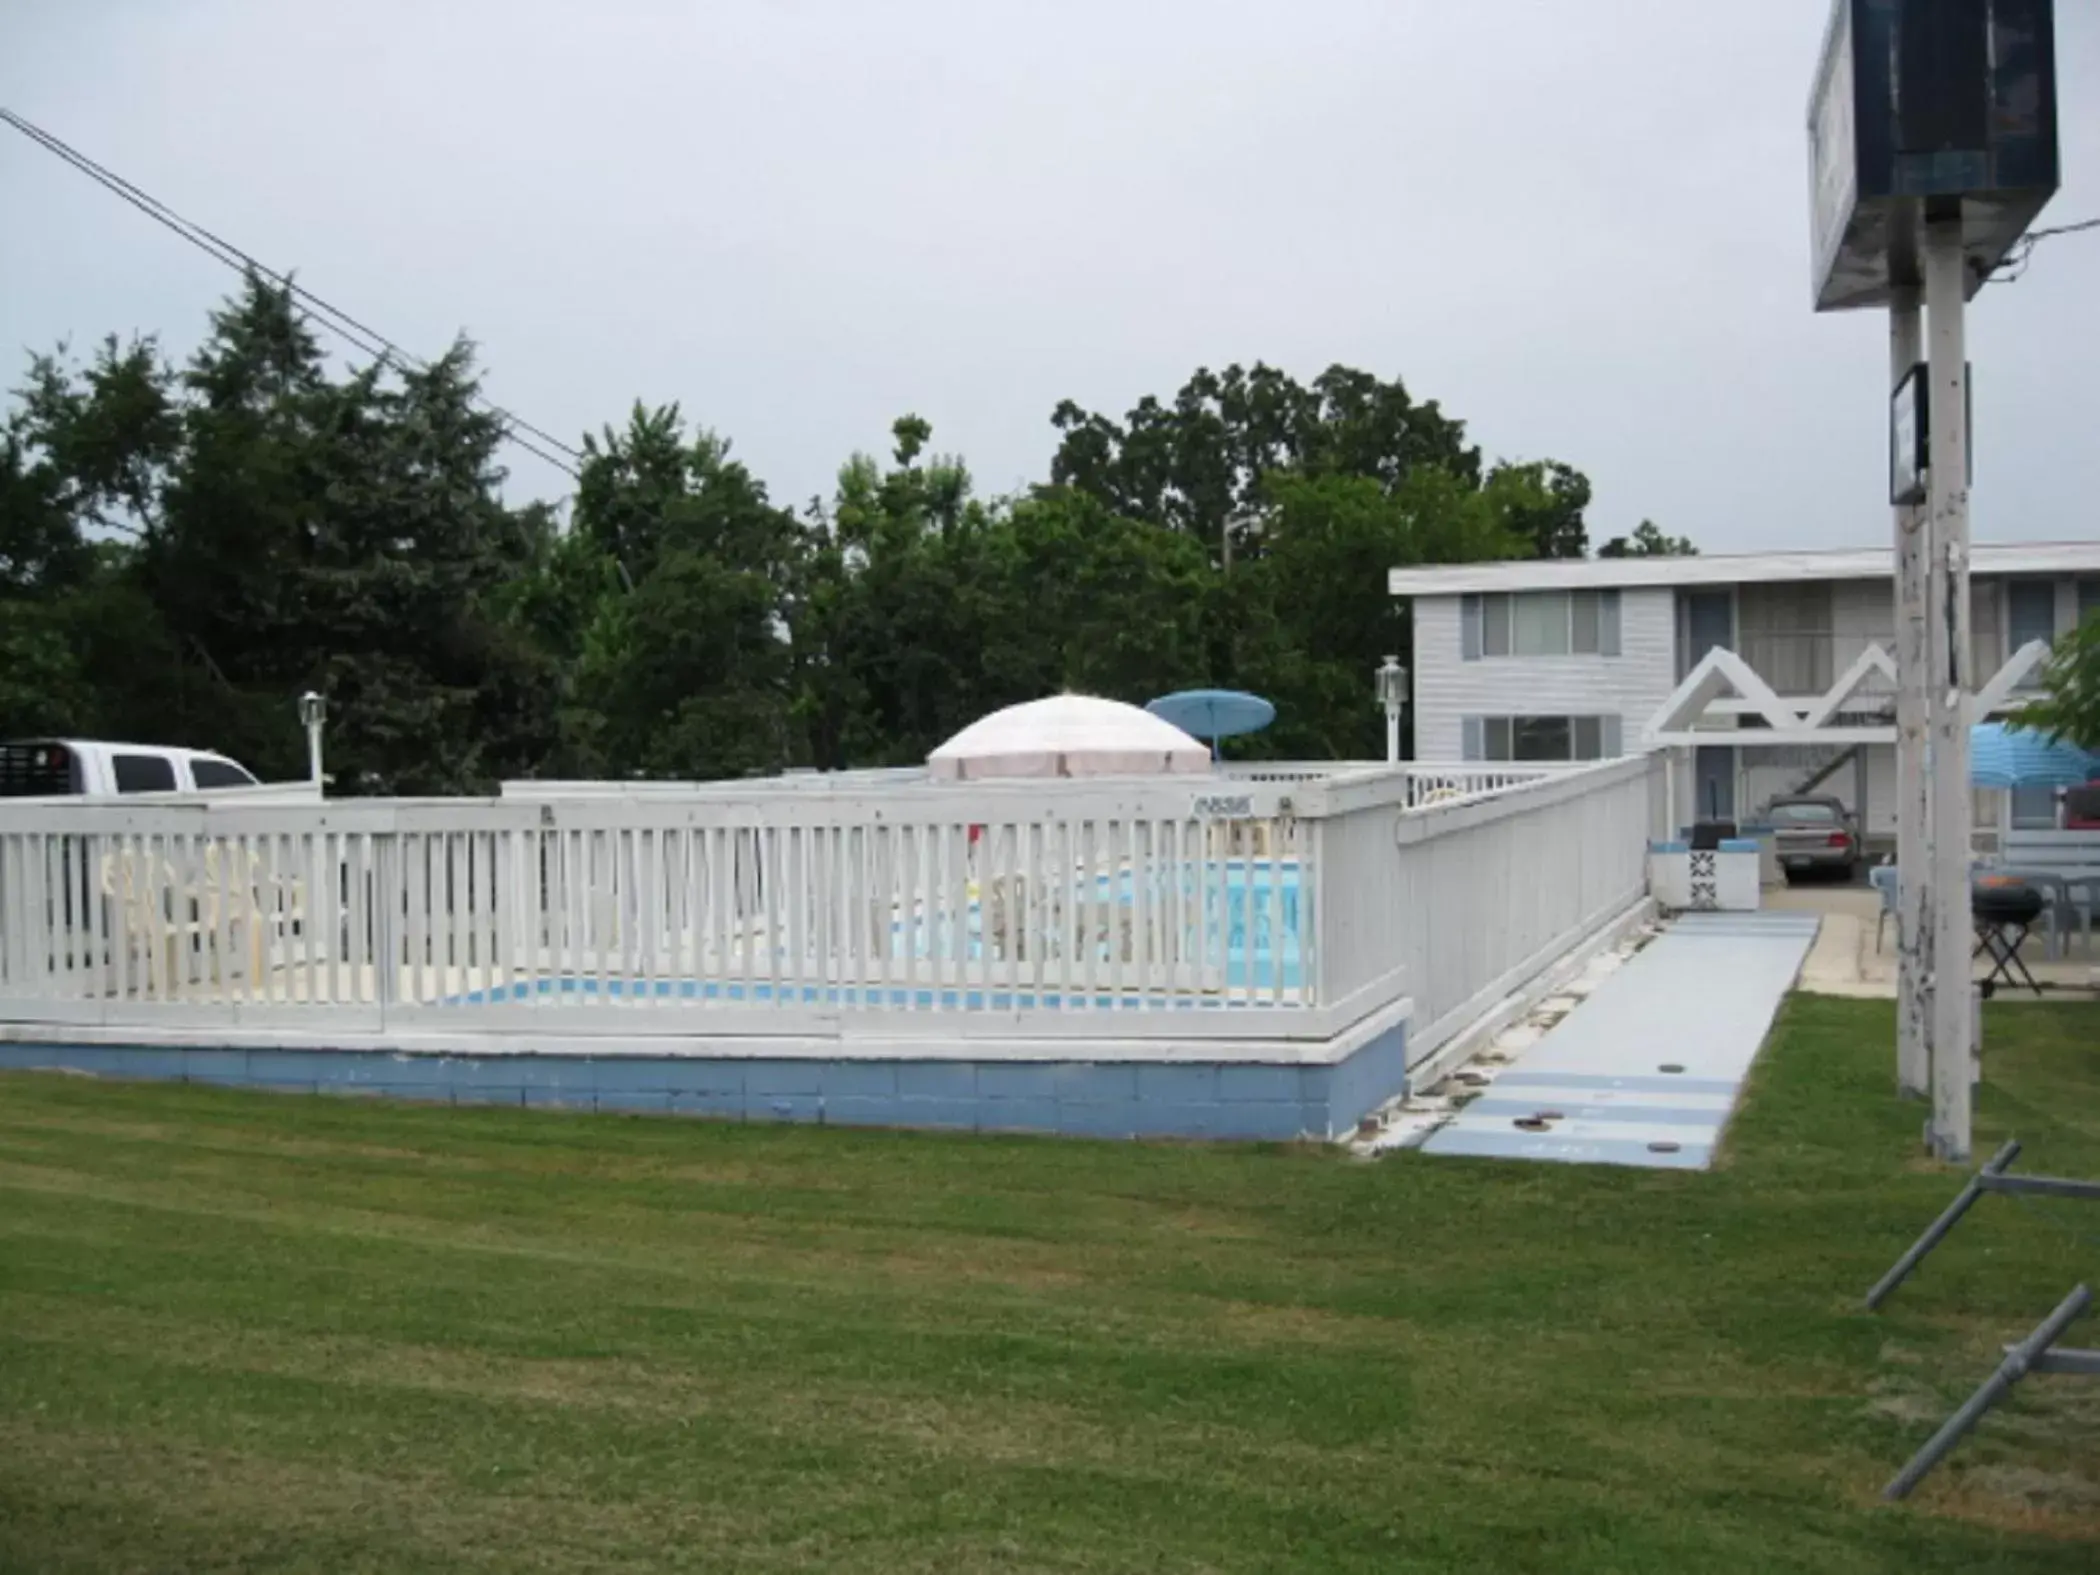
(1213,905)
(1214,902)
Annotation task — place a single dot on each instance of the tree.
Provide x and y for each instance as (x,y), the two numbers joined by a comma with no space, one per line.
(1547,508)
(1648,541)
(348,537)
(1109,605)
(1196,465)
(85,450)
(905,630)
(1312,618)
(684,665)
(82,457)
(182,551)
(2070,704)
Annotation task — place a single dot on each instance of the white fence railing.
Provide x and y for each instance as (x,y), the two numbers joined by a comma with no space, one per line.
(1466,899)
(1198,908)
(1427,784)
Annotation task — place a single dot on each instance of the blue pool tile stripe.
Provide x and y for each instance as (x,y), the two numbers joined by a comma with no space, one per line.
(1659,1084)
(1655,1115)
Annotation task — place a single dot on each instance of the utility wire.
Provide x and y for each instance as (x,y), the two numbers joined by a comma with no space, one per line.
(2017,260)
(341,323)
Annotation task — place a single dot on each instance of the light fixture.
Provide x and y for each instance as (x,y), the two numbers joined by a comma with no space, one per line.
(313,712)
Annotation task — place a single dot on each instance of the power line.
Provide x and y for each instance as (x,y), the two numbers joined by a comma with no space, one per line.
(2017,260)
(341,323)
(364,337)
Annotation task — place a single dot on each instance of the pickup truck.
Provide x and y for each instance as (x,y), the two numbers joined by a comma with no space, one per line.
(62,767)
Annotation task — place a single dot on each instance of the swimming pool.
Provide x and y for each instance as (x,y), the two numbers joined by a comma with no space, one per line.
(1188,937)
(1240,920)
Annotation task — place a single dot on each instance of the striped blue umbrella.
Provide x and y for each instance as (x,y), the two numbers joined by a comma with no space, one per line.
(2016,757)
(1213,713)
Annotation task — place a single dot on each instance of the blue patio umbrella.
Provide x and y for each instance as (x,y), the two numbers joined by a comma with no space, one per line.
(2016,757)
(1213,713)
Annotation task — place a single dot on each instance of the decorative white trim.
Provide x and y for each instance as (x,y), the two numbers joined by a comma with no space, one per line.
(1677,723)
(1870,662)
(2029,658)
(1715,674)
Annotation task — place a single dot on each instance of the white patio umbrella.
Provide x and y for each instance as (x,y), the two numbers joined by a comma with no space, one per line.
(1068,736)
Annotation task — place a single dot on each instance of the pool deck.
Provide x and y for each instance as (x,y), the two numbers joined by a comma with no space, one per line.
(1646,1070)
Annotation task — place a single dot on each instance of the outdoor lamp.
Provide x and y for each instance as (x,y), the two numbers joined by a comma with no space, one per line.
(1392,694)
(313,711)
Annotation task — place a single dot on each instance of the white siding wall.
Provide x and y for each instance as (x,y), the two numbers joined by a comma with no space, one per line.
(1632,685)
(1447,688)
(1862,613)
(1987,626)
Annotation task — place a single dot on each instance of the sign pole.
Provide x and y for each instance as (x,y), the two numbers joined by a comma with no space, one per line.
(1914,937)
(1947,693)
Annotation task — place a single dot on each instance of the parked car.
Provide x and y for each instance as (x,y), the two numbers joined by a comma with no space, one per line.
(58,767)
(1814,834)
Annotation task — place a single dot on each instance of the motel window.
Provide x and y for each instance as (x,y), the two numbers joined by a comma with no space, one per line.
(1541,739)
(2030,614)
(1541,623)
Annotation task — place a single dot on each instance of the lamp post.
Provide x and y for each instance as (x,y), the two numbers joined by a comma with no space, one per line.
(313,711)
(1392,694)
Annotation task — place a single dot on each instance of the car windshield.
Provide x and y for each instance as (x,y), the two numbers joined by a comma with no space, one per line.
(1804,815)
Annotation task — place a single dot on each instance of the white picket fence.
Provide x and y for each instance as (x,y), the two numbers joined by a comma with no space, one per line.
(1234,905)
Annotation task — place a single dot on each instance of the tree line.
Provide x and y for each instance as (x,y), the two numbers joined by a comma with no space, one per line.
(184,550)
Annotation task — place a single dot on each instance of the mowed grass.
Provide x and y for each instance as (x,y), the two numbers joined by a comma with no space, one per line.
(248,1332)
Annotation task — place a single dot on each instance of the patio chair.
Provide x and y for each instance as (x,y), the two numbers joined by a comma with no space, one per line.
(1005,917)
(1239,839)
(1010,916)
(137,885)
(178,922)
(1884,880)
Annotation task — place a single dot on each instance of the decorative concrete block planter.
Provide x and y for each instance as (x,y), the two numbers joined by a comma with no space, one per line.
(1725,880)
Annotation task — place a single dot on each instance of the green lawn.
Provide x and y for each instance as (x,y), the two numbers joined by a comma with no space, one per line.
(268,1333)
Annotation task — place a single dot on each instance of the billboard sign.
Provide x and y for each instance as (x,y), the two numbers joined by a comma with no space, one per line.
(1939,107)
(1833,149)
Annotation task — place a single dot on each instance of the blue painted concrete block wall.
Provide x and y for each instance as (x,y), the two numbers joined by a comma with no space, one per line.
(1100,1099)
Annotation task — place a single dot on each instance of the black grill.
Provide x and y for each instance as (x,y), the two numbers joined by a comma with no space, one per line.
(2006,902)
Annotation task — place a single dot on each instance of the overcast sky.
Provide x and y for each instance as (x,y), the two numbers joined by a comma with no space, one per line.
(1581,226)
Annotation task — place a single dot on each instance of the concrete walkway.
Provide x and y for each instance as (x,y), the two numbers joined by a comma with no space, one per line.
(1645,1071)
(1849,958)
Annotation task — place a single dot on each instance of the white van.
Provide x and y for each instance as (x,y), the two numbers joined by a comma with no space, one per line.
(56,767)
